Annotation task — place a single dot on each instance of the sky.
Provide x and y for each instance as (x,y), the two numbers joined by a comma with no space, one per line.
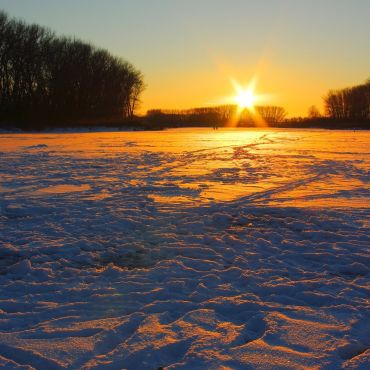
(189,50)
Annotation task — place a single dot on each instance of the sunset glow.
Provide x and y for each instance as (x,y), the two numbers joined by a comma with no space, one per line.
(187,56)
(245,97)
(184,184)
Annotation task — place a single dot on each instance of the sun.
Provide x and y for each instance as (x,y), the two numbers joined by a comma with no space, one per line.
(246,103)
(245,98)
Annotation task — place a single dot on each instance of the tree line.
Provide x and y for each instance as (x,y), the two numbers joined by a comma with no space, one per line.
(352,103)
(218,115)
(60,79)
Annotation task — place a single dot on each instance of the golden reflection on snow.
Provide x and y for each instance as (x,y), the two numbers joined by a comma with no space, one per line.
(290,167)
(63,188)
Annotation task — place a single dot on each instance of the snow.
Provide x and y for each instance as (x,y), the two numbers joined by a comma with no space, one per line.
(185,249)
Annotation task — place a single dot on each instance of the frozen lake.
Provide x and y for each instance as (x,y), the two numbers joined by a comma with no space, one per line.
(186,249)
(295,167)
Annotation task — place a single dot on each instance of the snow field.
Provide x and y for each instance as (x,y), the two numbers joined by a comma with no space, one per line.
(185,250)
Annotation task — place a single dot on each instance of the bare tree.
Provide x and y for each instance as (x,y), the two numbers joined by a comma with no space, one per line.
(350,103)
(271,113)
(313,112)
(220,115)
(45,77)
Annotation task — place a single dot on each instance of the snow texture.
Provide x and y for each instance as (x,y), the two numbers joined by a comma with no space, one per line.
(185,249)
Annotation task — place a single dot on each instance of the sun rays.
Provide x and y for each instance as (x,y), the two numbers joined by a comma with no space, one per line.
(245,97)
(246,100)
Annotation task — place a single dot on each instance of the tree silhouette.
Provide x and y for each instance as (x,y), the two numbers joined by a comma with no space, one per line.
(59,79)
(217,115)
(351,103)
(313,112)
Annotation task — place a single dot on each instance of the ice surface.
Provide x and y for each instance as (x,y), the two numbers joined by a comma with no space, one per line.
(185,249)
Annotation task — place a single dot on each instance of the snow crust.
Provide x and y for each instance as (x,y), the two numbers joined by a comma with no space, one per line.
(185,249)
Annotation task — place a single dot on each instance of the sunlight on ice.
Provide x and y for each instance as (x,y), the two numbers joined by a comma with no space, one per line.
(228,248)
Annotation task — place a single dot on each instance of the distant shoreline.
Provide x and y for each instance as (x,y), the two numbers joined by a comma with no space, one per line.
(145,126)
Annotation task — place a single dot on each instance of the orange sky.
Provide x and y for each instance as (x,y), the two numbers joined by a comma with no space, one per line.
(189,50)
(285,85)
